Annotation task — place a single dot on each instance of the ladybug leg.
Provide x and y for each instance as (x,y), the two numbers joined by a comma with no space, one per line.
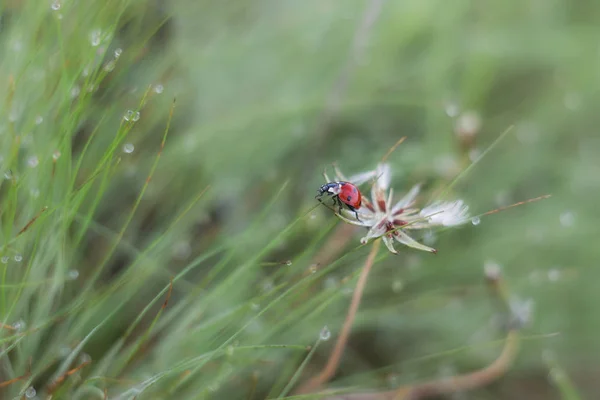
(337,202)
(355,212)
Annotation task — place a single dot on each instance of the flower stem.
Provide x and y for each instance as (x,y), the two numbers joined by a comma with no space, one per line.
(334,359)
(454,384)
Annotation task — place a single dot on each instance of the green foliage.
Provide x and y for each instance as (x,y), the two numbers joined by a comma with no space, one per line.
(147,254)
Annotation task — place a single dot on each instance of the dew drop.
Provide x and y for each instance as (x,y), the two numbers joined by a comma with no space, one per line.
(128,115)
(397,286)
(267,285)
(33,161)
(118,52)
(158,89)
(85,358)
(4,259)
(17,45)
(19,325)
(572,101)
(325,333)
(331,282)
(476,220)
(128,148)
(73,274)
(313,268)
(567,219)
(474,154)
(110,65)
(492,270)
(95,37)
(75,91)
(56,155)
(288,263)
(429,238)
(230,350)
(554,275)
(64,351)
(56,6)
(182,250)
(136,116)
(452,109)
(30,392)
(522,310)
(468,124)
(39,119)
(35,193)
(8,175)
(18,258)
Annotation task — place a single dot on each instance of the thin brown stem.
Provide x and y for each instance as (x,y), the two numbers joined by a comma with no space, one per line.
(459,383)
(334,359)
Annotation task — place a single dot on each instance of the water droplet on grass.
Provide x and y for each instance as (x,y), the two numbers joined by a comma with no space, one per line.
(554,275)
(288,263)
(20,325)
(85,358)
(158,89)
(118,52)
(492,270)
(474,154)
(313,268)
(30,392)
(572,101)
(110,65)
(18,258)
(56,155)
(128,148)
(73,274)
(397,286)
(33,161)
(39,119)
(8,175)
(230,350)
(131,115)
(182,250)
(64,351)
(452,109)
(325,333)
(95,37)
(75,91)
(55,5)
(567,219)
(475,221)
(4,259)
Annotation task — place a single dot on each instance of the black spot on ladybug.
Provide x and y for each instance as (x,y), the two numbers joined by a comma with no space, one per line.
(349,198)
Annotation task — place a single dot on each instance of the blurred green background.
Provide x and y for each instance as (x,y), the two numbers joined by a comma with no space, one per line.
(269,94)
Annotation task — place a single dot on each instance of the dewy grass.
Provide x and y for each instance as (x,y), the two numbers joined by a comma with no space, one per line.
(98,299)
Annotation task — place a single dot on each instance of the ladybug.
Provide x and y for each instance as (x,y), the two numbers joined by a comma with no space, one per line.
(342,193)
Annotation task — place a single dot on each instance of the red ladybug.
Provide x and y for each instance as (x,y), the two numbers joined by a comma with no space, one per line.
(342,193)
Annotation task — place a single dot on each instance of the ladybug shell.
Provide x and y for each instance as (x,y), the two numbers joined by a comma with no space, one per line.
(350,195)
